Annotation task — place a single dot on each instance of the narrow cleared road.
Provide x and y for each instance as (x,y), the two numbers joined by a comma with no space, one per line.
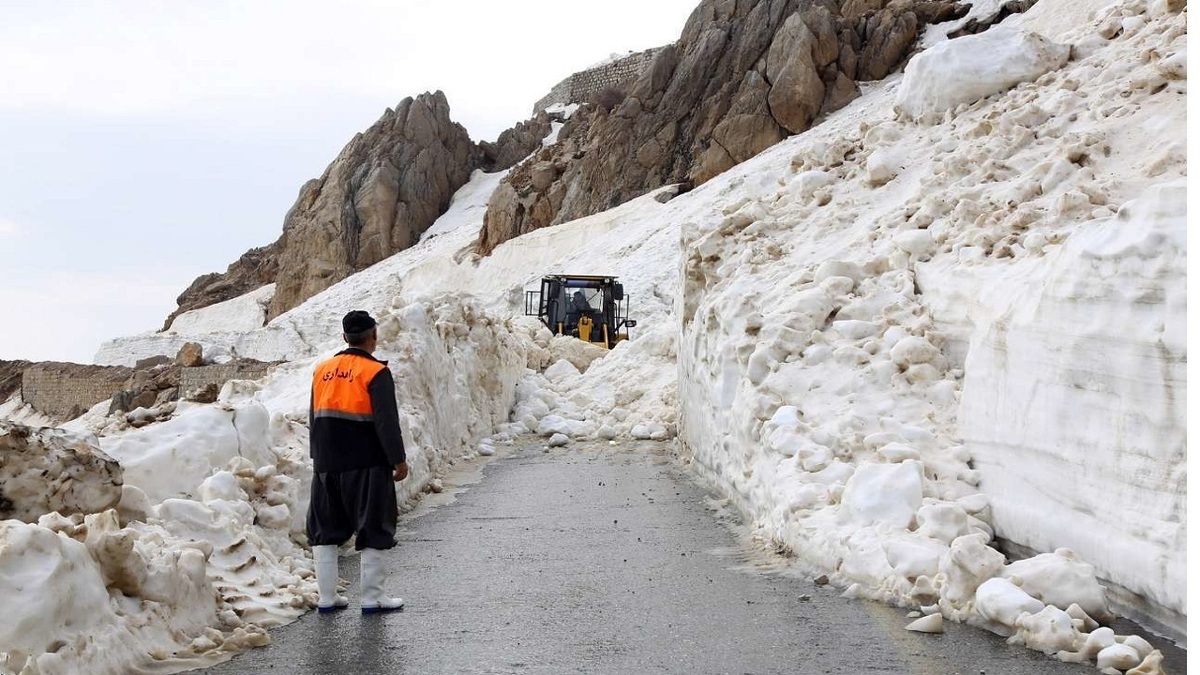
(600,559)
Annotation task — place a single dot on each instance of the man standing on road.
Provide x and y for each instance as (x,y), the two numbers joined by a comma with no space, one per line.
(357,452)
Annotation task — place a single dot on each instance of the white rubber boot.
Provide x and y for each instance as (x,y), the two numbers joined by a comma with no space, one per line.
(326,559)
(373,575)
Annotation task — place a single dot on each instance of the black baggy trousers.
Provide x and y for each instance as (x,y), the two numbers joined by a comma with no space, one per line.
(359,502)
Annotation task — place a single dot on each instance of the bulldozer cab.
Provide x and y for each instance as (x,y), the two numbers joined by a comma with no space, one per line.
(592,308)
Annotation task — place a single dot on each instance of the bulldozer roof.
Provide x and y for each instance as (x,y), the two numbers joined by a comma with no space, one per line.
(582,280)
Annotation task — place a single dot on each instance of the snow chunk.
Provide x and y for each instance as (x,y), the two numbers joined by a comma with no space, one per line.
(913,350)
(914,557)
(854,329)
(1061,579)
(1120,657)
(553,425)
(561,370)
(917,243)
(1050,631)
(808,182)
(1002,601)
(650,432)
(969,564)
(943,522)
(222,485)
(927,624)
(46,470)
(86,591)
(69,588)
(883,493)
(884,164)
(171,459)
(966,69)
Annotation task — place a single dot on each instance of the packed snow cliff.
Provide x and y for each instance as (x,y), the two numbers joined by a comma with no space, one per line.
(946,316)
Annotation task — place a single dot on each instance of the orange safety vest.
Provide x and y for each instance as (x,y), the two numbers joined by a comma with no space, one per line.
(340,388)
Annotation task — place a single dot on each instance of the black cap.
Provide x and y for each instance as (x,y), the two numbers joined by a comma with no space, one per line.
(357,322)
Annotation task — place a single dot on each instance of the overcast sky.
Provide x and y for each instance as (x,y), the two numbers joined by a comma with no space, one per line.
(146,143)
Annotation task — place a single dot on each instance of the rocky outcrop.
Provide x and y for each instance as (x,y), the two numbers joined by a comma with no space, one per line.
(516,143)
(742,77)
(47,470)
(157,386)
(256,268)
(385,188)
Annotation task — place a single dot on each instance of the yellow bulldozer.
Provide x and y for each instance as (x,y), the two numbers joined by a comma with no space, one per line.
(592,308)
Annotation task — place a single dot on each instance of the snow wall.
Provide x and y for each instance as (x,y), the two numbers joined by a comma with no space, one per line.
(990,293)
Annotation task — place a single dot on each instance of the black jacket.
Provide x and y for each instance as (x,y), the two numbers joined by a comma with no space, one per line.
(353,421)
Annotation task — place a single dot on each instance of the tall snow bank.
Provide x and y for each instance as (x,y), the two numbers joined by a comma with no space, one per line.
(1088,349)
(972,67)
(829,320)
(229,481)
(457,369)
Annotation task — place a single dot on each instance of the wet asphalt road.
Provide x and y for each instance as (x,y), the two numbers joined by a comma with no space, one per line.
(608,560)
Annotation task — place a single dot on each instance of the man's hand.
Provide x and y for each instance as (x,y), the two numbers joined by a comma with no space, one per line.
(401,472)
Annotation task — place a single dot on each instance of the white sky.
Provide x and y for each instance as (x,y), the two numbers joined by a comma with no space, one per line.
(146,143)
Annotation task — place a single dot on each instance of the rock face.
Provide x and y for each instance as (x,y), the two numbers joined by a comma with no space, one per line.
(386,187)
(515,144)
(742,77)
(47,470)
